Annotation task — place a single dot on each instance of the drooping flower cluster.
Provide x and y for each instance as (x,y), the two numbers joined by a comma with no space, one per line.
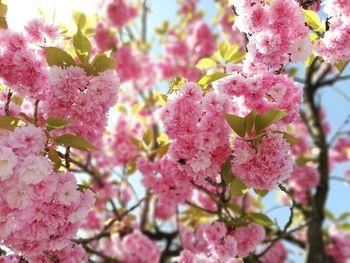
(181,55)
(136,248)
(341,150)
(20,67)
(276,254)
(142,75)
(170,184)
(198,131)
(302,180)
(339,246)
(263,91)
(333,47)
(119,13)
(215,243)
(83,99)
(264,166)
(40,210)
(273,39)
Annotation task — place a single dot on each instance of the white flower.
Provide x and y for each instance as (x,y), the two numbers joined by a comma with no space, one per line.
(8,161)
(34,169)
(301,49)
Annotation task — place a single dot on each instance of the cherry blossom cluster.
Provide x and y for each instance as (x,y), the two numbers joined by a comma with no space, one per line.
(120,13)
(136,248)
(20,67)
(333,47)
(215,243)
(199,132)
(142,75)
(276,254)
(170,184)
(339,246)
(263,91)
(273,39)
(83,99)
(264,166)
(40,210)
(302,180)
(181,55)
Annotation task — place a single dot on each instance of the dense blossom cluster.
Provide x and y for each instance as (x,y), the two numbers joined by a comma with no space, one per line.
(302,180)
(136,248)
(199,132)
(40,210)
(181,55)
(215,243)
(264,166)
(276,254)
(83,99)
(21,68)
(333,47)
(119,13)
(170,184)
(339,246)
(263,91)
(273,40)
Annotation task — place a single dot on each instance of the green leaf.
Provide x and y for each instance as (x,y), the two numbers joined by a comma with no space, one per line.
(58,57)
(236,57)
(249,122)
(261,192)
(137,143)
(329,215)
(226,172)
(74,141)
(162,150)
(55,158)
(344,216)
(207,79)
(223,47)
(340,66)
(177,83)
(205,63)
(238,124)
(79,19)
(345,226)
(261,219)
(313,20)
(270,117)
(131,167)
(82,46)
(55,123)
(102,63)
(148,136)
(289,138)
(8,122)
(238,188)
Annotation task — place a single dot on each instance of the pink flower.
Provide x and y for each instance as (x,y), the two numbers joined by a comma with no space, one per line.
(248,237)
(34,169)
(19,197)
(26,140)
(276,254)
(119,13)
(8,161)
(269,164)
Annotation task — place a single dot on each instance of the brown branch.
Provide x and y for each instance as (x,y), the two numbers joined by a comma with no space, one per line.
(7,104)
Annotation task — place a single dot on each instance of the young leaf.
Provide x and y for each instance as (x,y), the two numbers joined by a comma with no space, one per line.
(207,79)
(270,117)
(82,46)
(3,9)
(102,63)
(148,136)
(55,158)
(58,57)
(313,20)
(226,172)
(249,122)
(205,63)
(261,219)
(238,188)
(261,192)
(80,20)
(74,141)
(238,124)
(8,122)
(55,123)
